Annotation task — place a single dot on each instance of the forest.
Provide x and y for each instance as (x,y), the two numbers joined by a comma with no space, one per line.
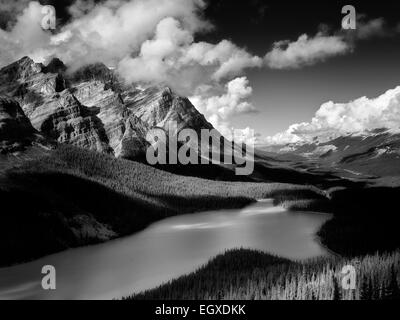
(252,275)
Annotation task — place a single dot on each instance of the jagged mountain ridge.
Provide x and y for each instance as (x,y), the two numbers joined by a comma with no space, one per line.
(92,108)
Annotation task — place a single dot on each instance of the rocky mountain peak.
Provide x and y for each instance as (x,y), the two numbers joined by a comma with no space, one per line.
(93,108)
(96,71)
(167,91)
(19,70)
(55,66)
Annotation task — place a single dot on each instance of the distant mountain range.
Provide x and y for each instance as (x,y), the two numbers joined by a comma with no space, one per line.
(375,153)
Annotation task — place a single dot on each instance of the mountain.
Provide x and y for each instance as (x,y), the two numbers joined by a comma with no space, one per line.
(92,109)
(373,154)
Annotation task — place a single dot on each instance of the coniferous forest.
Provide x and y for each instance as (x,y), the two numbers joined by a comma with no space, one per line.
(252,275)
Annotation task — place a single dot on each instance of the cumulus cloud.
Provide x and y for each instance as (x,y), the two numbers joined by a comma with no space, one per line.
(157,45)
(243,135)
(9,10)
(143,43)
(229,58)
(110,31)
(172,55)
(81,7)
(157,57)
(116,30)
(124,33)
(231,103)
(371,28)
(335,119)
(219,109)
(305,51)
(26,37)
(239,135)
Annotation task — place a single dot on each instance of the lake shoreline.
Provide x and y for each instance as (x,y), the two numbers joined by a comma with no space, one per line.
(168,249)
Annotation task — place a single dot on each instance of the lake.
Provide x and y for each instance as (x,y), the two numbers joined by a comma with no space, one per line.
(164,251)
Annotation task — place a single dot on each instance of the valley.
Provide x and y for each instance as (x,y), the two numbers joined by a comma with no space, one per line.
(371,157)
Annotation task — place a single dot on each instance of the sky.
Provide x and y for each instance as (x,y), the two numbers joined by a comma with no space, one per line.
(285,70)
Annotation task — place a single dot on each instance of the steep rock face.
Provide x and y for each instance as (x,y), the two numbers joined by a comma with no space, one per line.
(53,110)
(133,144)
(19,71)
(27,82)
(158,106)
(92,108)
(55,66)
(63,118)
(128,113)
(16,131)
(109,107)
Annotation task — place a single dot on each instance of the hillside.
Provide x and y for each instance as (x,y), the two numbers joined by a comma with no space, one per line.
(74,197)
(16,131)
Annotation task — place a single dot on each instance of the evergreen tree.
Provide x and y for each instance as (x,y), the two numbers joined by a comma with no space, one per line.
(393,291)
(336,289)
(366,289)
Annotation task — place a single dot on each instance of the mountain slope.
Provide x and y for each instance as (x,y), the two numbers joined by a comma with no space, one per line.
(91,108)
(16,131)
(73,197)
